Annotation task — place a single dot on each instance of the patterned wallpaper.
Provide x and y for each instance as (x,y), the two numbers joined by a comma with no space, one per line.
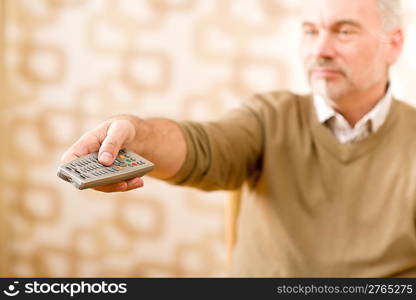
(69,64)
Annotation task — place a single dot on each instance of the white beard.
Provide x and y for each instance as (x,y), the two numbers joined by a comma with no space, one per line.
(330,91)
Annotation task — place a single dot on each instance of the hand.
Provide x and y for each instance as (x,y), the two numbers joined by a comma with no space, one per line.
(107,138)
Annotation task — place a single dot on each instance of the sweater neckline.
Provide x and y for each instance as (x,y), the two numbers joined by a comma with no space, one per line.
(349,152)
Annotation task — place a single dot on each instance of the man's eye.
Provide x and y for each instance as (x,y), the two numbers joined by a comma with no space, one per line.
(345,32)
(310,32)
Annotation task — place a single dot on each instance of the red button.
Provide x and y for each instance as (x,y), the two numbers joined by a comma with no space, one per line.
(134,164)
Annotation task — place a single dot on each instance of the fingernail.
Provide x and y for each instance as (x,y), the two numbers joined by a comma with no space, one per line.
(106,157)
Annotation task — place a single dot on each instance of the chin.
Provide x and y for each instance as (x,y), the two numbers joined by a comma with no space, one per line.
(329,90)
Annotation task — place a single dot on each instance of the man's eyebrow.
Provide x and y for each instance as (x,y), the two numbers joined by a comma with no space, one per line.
(347,22)
(307,24)
(337,23)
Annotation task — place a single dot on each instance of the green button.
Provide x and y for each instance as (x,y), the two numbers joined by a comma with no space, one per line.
(128,160)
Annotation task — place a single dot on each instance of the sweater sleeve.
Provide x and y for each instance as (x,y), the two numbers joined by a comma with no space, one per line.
(222,154)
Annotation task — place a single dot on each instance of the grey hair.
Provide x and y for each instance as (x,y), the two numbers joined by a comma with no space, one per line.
(391,11)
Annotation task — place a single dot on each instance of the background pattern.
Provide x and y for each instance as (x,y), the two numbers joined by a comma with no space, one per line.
(69,64)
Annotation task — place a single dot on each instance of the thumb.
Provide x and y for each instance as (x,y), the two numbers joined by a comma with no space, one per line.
(117,134)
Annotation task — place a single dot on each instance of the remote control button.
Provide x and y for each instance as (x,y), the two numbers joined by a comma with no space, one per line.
(120,164)
(119,168)
(134,164)
(68,168)
(122,156)
(132,158)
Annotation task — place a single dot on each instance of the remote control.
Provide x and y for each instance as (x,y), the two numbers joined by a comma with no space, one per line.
(86,172)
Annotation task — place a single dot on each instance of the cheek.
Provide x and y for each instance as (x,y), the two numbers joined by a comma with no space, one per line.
(306,52)
(371,56)
(303,53)
(364,62)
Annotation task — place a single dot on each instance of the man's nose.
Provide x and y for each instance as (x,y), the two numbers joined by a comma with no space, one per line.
(324,46)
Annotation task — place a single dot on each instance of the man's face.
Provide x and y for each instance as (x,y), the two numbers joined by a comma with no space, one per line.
(344,47)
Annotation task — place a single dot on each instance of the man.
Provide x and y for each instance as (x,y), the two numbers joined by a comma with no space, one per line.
(328,181)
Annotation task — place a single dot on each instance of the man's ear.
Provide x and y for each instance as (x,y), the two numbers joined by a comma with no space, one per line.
(396,42)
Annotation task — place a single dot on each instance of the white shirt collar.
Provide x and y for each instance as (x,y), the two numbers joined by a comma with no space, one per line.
(340,126)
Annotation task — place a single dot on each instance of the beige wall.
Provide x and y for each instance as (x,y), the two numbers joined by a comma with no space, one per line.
(70,64)
(3,212)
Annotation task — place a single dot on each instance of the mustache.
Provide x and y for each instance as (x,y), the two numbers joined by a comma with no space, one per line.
(326,64)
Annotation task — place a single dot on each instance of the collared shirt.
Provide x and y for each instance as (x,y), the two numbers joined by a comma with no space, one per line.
(342,130)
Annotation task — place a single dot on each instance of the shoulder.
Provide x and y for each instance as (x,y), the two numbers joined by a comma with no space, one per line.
(405,117)
(282,113)
(405,107)
(280,102)
(407,112)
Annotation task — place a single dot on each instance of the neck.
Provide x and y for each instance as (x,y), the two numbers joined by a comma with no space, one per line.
(355,106)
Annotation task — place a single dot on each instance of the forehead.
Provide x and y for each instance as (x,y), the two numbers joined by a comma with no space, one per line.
(327,12)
